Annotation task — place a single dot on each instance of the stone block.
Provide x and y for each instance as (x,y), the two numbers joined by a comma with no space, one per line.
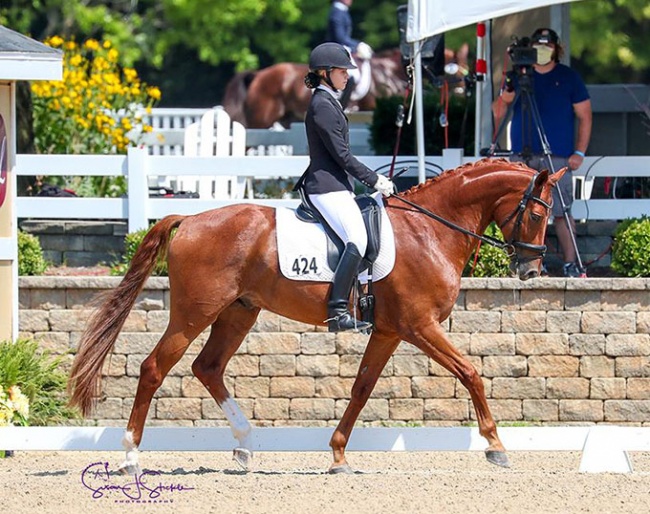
(608,388)
(272,408)
(553,366)
(311,408)
(40,227)
(349,366)
(150,300)
(503,410)
(210,409)
(69,320)
(102,243)
(410,365)
(597,366)
(462,392)
(587,344)
(468,321)
(523,321)
(541,410)
(433,387)
(67,243)
(178,408)
(608,322)
(392,387)
(119,387)
(404,348)
(407,409)
(489,299)
(252,387)
(333,387)
(273,343)
(567,388)
(57,343)
(625,300)
(115,366)
(492,344)
(542,344)
(136,322)
(289,325)
(127,407)
(581,410)
(633,367)
(351,343)
(636,411)
(638,388)
(446,409)
(53,257)
(460,341)
(318,343)
(567,322)
(47,299)
(135,342)
(643,322)
(245,365)
(542,300)
(317,365)
(191,387)
(518,388)
(505,366)
(293,387)
(35,321)
(85,258)
(267,322)
(157,321)
(277,365)
(375,409)
(183,367)
(582,300)
(628,345)
(81,298)
(108,408)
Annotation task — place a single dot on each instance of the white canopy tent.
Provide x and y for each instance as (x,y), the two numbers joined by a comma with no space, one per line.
(427,18)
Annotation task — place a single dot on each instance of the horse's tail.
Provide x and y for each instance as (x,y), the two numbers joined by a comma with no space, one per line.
(235,96)
(105,324)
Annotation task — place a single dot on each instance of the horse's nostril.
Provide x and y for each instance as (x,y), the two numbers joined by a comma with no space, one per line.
(532,273)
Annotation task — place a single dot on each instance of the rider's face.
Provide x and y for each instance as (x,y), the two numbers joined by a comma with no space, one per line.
(339,77)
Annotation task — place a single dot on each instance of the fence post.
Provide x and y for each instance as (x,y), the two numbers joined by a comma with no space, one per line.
(138,200)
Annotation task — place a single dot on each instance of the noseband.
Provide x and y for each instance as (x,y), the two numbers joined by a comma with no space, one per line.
(512,246)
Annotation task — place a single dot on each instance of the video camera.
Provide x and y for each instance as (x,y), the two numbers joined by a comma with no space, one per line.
(522,54)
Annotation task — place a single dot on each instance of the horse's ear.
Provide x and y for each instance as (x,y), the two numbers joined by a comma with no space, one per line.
(541,178)
(555,177)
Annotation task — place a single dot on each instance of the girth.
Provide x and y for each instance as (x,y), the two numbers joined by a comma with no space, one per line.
(371,214)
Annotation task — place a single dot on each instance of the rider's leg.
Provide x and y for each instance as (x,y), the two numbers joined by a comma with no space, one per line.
(342,214)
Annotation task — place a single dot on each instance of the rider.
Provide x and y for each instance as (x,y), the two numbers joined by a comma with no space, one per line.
(327,182)
(339,30)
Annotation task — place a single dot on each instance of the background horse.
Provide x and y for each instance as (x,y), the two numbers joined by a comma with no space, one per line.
(258,99)
(223,270)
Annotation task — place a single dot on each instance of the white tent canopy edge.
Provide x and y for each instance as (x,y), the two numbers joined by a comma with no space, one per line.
(427,18)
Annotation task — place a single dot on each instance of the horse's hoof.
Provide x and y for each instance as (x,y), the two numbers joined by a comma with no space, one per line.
(243,457)
(497,457)
(344,469)
(130,468)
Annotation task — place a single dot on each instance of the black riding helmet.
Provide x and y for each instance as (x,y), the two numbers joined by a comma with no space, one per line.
(330,55)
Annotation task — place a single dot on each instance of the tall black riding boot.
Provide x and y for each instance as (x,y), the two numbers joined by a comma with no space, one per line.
(344,99)
(339,317)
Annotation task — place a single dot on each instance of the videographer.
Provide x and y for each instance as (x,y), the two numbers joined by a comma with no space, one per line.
(561,98)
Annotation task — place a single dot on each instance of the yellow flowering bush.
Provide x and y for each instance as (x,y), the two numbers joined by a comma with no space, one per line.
(14,407)
(97,108)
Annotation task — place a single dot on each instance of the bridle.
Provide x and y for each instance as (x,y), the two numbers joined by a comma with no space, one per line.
(512,246)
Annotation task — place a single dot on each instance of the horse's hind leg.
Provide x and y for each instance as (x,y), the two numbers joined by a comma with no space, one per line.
(226,335)
(378,351)
(433,341)
(180,332)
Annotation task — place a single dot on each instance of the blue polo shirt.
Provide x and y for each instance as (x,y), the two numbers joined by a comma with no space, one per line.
(555,93)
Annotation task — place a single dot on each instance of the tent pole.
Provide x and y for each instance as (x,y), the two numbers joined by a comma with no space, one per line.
(419,115)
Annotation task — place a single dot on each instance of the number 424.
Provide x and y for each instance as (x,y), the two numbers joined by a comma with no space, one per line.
(304,266)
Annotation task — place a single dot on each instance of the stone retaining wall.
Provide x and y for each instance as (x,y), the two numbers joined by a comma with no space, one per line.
(551,350)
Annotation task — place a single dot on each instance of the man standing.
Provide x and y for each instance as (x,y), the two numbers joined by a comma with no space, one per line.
(561,98)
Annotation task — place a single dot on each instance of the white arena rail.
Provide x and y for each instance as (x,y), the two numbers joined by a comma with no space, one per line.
(604,447)
(138,166)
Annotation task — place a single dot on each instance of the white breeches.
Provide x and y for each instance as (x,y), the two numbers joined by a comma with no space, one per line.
(342,214)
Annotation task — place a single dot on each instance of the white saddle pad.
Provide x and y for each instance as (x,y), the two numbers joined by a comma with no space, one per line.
(302,248)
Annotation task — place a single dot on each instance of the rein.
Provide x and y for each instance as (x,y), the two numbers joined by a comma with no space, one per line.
(510,247)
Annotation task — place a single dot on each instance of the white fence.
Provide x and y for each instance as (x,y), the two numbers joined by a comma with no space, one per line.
(138,167)
(604,447)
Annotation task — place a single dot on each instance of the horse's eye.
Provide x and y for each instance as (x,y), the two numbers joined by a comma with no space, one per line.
(535,217)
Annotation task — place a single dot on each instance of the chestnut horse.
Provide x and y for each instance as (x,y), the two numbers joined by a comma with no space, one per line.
(259,99)
(223,269)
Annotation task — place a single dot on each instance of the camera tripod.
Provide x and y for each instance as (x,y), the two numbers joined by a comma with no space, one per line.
(529,107)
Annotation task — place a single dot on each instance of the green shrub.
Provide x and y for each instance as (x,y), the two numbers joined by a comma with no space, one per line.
(30,255)
(492,261)
(39,377)
(630,255)
(461,125)
(131,243)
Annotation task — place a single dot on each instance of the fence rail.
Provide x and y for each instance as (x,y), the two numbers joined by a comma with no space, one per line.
(138,166)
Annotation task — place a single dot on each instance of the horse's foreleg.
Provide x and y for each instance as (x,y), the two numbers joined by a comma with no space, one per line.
(153,370)
(226,335)
(434,342)
(374,360)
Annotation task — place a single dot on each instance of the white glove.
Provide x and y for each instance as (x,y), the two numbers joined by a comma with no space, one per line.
(384,185)
(364,51)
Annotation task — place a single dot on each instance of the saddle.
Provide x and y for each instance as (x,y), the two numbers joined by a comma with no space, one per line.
(371,217)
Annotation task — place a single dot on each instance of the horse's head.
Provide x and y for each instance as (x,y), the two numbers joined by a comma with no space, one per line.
(522,217)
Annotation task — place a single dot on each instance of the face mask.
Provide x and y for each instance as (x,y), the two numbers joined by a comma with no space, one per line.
(544,54)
